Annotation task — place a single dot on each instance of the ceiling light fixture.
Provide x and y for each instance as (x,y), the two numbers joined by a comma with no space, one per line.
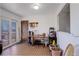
(36,6)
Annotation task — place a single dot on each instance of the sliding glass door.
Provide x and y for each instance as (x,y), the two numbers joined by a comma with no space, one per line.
(5,31)
(8,31)
(13,31)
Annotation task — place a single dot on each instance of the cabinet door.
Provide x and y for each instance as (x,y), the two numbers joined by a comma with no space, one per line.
(5,31)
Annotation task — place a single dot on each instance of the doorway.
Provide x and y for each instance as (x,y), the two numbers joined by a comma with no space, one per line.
(24,30)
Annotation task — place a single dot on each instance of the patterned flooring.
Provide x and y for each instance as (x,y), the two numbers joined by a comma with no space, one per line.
(24,49)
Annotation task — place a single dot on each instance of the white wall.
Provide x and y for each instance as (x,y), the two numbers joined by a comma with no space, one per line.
(45,21)
(74,22)
(9,14)
(74,18)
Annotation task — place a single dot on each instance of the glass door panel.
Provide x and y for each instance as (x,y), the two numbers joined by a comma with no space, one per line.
(13,31)
(5,32)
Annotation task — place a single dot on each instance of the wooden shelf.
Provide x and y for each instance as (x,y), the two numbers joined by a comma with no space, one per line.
(33,24)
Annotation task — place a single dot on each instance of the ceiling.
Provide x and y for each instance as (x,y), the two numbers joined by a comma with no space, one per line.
(25,9)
